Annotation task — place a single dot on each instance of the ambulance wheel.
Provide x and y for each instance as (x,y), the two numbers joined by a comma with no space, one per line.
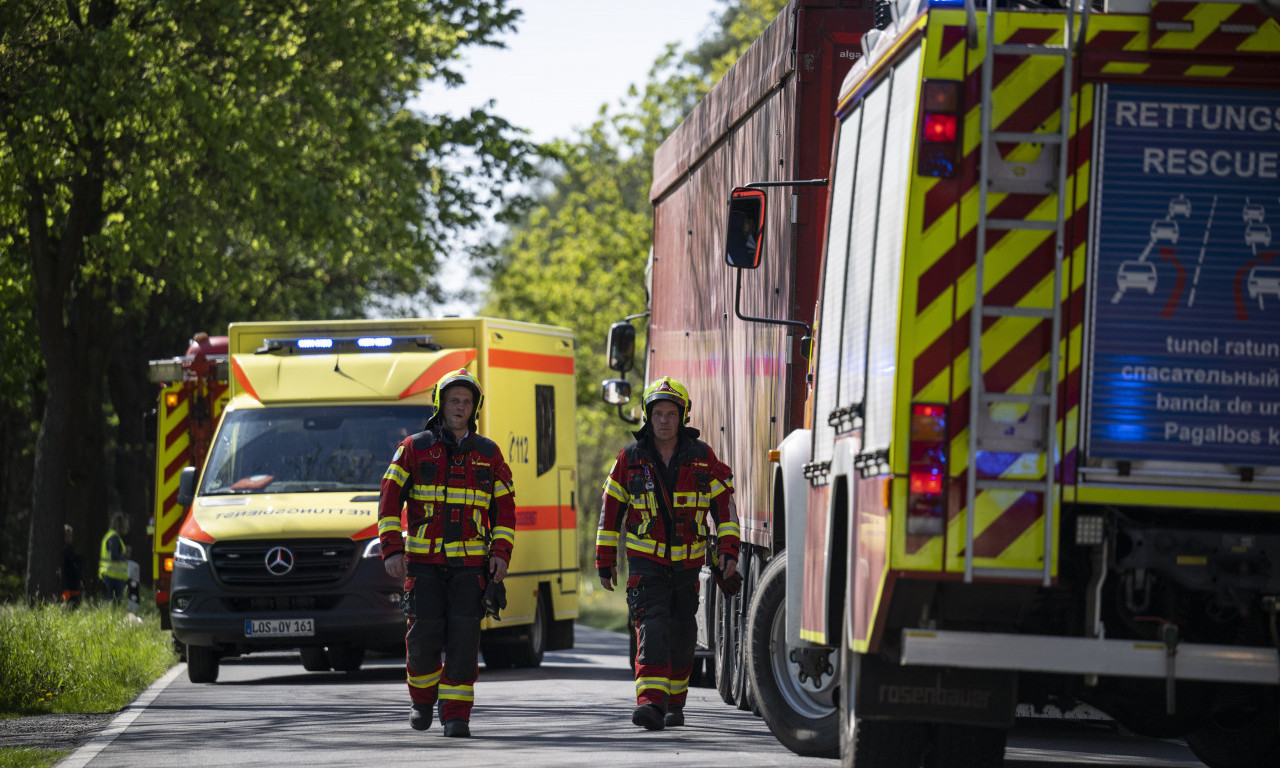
(801,712)
(314,659)
(1242,731)
(531,646)
(345,657)
(497,653)
(202,664)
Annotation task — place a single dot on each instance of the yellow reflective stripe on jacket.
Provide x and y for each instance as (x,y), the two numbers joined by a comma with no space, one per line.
(606,538)
(612,488)
(718,487)
(427,494)
(396,474)
(652,547)
(506,534)
(691,499)
(471,548)
(500,489)
(728,528)
(388,524)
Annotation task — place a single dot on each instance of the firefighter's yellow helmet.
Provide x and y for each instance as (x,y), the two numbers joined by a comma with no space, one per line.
(455,378)
(667,388)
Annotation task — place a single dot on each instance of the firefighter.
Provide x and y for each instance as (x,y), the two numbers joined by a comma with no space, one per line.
(668,492)
(461,530)
(113,558)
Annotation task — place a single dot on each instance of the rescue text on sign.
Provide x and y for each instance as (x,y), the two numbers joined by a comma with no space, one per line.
(279,627)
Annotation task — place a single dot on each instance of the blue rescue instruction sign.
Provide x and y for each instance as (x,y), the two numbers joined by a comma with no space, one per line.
(1186,303)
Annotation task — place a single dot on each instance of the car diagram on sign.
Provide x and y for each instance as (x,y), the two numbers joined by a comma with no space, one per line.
(1263,281)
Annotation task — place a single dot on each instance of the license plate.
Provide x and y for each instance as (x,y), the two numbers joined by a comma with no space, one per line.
(279,627)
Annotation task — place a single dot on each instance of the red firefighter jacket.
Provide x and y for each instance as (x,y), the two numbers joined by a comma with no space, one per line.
(460,500)
(665,524)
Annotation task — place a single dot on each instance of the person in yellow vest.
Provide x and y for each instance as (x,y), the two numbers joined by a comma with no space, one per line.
(113,567)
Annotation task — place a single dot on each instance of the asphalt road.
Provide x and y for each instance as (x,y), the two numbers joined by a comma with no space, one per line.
(573,710)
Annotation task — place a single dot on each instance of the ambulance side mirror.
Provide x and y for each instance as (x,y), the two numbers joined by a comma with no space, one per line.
(187,486)
(744,240)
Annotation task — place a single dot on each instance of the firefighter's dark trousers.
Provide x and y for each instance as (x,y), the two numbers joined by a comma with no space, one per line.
(663,602)
(444,612)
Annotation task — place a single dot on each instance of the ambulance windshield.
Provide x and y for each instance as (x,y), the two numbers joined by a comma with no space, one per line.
(308,448)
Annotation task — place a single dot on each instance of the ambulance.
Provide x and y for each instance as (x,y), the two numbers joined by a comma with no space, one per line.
(279,548)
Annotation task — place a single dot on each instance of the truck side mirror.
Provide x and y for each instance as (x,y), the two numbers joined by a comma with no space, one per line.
(745,238)
(622,347)
(187,486)
(616,391)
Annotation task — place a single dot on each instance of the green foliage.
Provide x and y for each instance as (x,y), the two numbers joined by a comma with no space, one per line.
(96,658)
(171,166)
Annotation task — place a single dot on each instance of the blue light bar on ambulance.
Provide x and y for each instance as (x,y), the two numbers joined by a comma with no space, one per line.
(313,345)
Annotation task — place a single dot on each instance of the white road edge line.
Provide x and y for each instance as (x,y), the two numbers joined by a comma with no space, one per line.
(86,753)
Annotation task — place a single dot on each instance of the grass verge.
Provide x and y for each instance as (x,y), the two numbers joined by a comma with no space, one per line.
(96,658)
(30,757)
(600,608)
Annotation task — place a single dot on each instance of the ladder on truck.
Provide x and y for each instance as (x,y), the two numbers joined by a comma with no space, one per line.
(1045,176)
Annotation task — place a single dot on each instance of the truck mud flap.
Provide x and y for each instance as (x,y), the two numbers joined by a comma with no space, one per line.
(981,697)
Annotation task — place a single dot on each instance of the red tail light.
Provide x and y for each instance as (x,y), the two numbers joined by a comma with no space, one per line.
(926,492)
(939,129)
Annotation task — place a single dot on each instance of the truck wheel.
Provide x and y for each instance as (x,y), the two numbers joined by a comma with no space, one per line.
(314,659)
(804,716)
(345,658)
(877,743)
(202,664)
(967,745)
(1244,733)
(728,647)
(529,649)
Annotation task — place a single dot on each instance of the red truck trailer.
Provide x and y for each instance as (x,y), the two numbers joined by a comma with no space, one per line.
(770,119)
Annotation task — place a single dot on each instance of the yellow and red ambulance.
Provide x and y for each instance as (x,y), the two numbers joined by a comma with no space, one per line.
(279,546)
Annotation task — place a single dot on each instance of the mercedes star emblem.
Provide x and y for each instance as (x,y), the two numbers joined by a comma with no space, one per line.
(279,561)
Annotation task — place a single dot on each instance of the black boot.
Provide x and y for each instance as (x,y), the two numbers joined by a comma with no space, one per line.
(648,716)
(420,717)
(674,718)
(457,728)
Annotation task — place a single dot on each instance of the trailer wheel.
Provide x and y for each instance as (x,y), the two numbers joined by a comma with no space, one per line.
(728,647)
(345,658)
(202,664)
(1245,732)
(804,716)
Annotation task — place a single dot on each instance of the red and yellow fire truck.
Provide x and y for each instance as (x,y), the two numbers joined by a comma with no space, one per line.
(1042,466)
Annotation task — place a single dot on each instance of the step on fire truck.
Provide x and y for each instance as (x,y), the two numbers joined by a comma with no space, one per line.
(266,529)
(1043,461)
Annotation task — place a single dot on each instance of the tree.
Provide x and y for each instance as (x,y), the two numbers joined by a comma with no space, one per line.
(577,257)
(246,158)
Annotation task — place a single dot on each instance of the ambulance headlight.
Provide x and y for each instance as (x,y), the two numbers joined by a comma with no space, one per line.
(190,552)
(373,548)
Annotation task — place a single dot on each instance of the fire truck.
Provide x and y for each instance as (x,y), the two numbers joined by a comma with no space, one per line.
(769,119)
(272,444)
(1041,466)
(193,393)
